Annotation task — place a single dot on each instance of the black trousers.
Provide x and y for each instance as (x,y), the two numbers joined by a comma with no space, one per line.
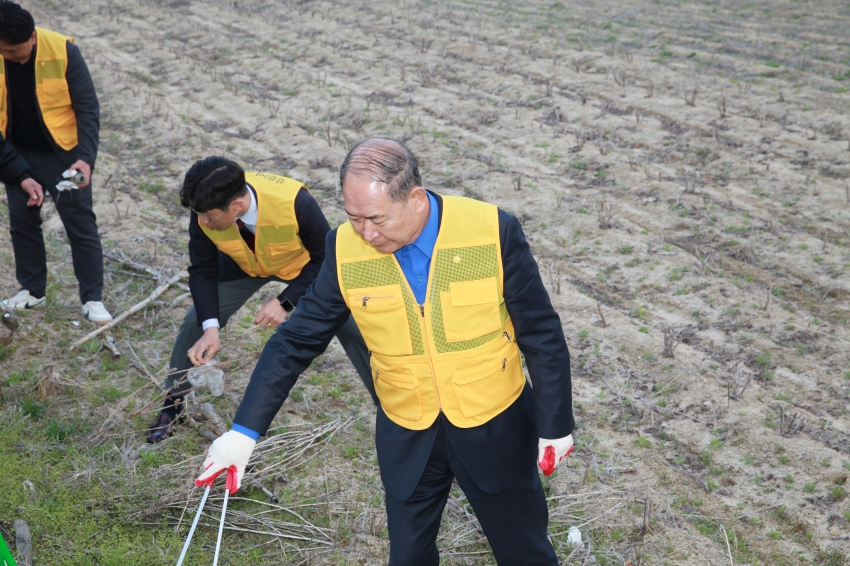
(515,521)
(75,210)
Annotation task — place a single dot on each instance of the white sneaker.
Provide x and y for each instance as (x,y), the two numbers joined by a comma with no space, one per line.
(23,300)
(96,312)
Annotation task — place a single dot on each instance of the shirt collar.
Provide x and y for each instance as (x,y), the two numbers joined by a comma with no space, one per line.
(428,237)
(253,213)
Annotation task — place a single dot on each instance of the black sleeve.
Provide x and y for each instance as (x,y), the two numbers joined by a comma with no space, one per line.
(13,168)
(203,271)
(313,228)
(320,314)
(85,104)
(538,332)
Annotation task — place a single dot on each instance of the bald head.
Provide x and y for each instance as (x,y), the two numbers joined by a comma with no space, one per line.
(385,162)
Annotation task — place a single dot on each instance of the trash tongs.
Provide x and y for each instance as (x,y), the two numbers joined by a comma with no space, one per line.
(198,516)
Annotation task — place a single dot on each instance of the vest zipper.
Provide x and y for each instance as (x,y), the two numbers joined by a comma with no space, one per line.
(423,327)
(430,360)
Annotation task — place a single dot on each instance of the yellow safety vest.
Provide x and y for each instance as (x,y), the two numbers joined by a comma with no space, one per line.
(278,249)
(51,89)
(457,352)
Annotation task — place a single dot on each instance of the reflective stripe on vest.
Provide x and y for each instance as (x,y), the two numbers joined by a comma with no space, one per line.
(51,88)
(457,352)
(279,250)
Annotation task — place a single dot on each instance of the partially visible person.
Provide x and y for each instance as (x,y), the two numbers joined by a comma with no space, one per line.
(50,114)
(245,230)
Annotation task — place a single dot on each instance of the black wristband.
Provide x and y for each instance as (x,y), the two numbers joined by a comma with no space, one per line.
(286,304)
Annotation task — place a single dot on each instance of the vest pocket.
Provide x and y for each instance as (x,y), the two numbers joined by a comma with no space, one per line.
(234,248)
(399,395)
(54,93)
(381,316)
(62,123)
(281,248)
(470,309)
(486,386)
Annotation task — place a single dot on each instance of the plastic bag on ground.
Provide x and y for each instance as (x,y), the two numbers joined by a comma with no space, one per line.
(207,375)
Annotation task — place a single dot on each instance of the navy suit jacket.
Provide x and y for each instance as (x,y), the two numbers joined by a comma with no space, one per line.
(496,454)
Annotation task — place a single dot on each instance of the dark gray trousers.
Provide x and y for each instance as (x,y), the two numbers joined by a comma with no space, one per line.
(231,296)
(75,210)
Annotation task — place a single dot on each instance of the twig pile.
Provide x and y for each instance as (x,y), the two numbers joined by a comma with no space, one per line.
(285,448)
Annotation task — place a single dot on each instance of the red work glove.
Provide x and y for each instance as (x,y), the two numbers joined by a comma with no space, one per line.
(551,452)
(230,452)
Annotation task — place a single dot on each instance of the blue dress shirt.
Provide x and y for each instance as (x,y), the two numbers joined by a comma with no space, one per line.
(415,258)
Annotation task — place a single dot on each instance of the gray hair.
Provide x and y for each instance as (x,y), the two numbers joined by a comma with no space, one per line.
(383,160)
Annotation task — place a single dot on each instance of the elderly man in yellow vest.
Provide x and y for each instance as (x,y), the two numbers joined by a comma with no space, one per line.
(448,297)
(245,230)
(49,112)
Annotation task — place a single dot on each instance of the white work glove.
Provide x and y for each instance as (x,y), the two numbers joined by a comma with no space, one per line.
(551,452)
(230,452)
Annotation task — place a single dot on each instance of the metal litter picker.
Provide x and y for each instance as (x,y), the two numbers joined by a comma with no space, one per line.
(198,516)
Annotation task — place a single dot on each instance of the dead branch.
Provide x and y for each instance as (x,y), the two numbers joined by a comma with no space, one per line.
(555,278)
(647,516)
(769,293)
(704,258)
(689,92)
(135,308)
(579,63)
(604,213)
(737,384)
(721,104)
(672,338)
(180,299)
(788,425)
(620,76)
(124,260)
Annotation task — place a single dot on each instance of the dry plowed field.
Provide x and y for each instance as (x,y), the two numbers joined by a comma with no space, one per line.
(680,169)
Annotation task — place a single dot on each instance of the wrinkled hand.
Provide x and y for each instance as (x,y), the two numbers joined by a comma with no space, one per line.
(34,190)
(271,314)
(83,168)
(230,452)
(206,347)
(551,452)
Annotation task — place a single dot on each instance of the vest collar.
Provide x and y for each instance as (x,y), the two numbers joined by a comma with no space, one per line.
(251,217)
(428,237)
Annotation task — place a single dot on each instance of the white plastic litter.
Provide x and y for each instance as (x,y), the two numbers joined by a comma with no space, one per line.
(574,536)
(207,375)
(67,185)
